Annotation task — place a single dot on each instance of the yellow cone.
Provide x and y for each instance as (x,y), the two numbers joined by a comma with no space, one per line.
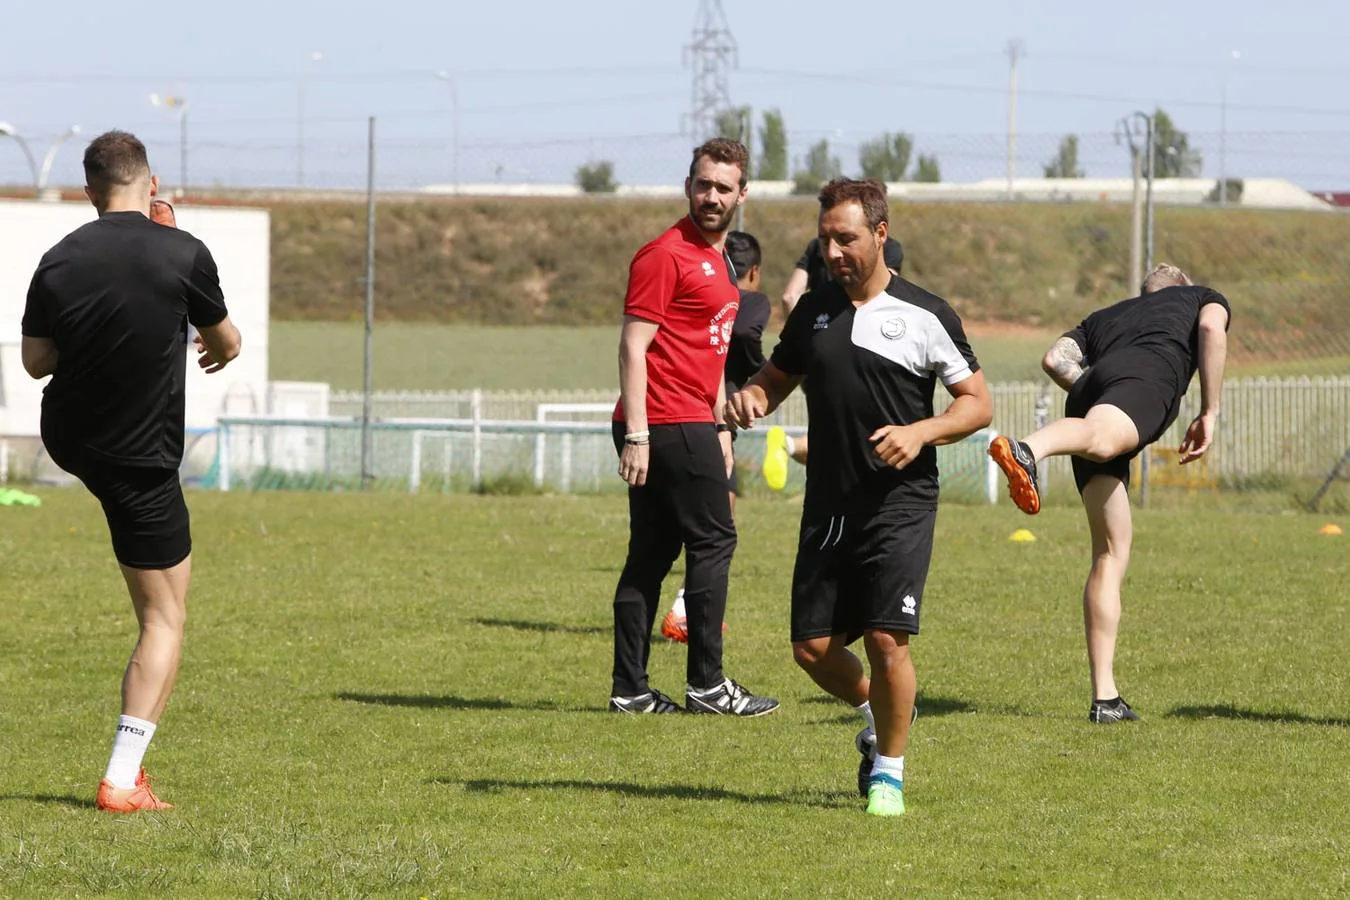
(1329,528)
(1022,536)
(775,466)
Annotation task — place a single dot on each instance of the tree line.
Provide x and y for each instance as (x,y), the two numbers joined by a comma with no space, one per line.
(888,156)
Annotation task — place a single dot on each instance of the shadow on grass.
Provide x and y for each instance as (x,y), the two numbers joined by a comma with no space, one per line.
(929,706)
(544,627)
(51,799)
(424,702)
(656,792)
(1254,715)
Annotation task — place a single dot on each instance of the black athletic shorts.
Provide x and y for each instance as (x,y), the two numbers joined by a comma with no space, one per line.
(147,515)
(862,571)
(1133,383)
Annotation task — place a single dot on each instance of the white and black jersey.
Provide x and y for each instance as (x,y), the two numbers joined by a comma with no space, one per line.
(868,366)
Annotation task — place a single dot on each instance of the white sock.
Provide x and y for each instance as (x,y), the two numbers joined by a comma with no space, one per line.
(789,444)
(866,711)
(129,746)
(678,606)
(893,766)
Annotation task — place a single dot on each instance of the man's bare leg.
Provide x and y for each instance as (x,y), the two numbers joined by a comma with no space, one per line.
(833,667)
(1104,433)
(1107,504)
(159,597)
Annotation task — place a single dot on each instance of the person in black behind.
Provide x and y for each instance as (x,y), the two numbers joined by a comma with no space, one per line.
(1126,369)
(745,355)
(107,317)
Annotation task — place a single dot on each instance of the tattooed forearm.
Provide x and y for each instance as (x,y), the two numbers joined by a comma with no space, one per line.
(1064,362)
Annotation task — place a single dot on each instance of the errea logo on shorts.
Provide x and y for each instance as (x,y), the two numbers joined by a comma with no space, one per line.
(822,321)
(708,269)
(909,604)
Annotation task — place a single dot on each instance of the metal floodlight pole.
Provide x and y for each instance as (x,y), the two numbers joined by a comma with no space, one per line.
(449,78)
(1148,193)
(368,377)
(8,130)
(50,158)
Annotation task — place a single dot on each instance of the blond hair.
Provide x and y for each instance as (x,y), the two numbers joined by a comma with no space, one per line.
(1164,275)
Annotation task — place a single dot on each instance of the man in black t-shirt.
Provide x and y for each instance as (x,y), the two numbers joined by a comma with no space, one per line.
(811,273)
(745,355)
(1126,369)
(107,317)
(873,347)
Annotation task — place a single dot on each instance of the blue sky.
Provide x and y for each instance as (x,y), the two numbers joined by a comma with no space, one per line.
(542,87)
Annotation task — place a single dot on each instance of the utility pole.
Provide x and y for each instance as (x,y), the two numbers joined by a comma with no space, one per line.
(1015,51)
(712,55)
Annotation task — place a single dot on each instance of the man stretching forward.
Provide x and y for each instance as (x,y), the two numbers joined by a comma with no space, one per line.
(1126,369)
(107,317)
(872,346)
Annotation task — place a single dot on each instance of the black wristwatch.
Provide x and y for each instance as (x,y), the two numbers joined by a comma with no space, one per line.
(722,426)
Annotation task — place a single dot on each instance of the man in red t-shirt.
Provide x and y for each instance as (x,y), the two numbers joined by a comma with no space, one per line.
(674,449)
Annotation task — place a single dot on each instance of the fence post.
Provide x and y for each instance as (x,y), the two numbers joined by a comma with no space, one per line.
(415,474)
(476,412)
(540,414)
(223,456)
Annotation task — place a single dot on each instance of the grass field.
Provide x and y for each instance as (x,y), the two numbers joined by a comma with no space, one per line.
(433,357)
(394,696)
(427,356)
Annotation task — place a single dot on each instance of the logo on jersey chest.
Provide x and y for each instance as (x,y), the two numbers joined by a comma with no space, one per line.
(719,329)
(708,269)
(822,321)
(893,329)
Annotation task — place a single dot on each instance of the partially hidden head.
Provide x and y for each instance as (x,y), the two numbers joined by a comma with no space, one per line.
(718,175)
(743,251)
(1164,275)
(853,226)
(115,165)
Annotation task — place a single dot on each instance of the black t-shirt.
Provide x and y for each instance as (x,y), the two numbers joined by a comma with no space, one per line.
(116,296)
(818,271)
(870,366)
(1160,326)
(745,353)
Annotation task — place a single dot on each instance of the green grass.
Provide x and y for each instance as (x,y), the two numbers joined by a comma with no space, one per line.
(401,696)
(429,356)
(432,357)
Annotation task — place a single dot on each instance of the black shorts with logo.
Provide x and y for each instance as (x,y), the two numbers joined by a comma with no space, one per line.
(147,515)
(856,572)
(1132,383)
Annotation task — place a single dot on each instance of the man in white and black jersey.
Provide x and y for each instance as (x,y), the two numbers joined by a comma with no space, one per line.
(873,347)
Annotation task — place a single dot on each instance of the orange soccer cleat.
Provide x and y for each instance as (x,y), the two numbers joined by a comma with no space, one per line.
(161,213)
(128,800)
(1019,466)
(675,628)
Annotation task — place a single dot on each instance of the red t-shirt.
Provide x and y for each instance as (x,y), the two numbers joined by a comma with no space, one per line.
(683,285)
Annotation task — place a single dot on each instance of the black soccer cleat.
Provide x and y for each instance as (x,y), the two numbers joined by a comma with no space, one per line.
(651,703)
(728,699)
(1108,712)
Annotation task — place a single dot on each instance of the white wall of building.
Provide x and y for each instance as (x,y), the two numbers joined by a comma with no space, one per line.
(239,239)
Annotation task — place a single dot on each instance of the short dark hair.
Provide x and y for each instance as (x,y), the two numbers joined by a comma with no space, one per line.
(868,193)
(743,251)
(723,150)
(114,159)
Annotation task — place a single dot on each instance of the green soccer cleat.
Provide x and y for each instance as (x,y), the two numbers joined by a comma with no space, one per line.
(885,796)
